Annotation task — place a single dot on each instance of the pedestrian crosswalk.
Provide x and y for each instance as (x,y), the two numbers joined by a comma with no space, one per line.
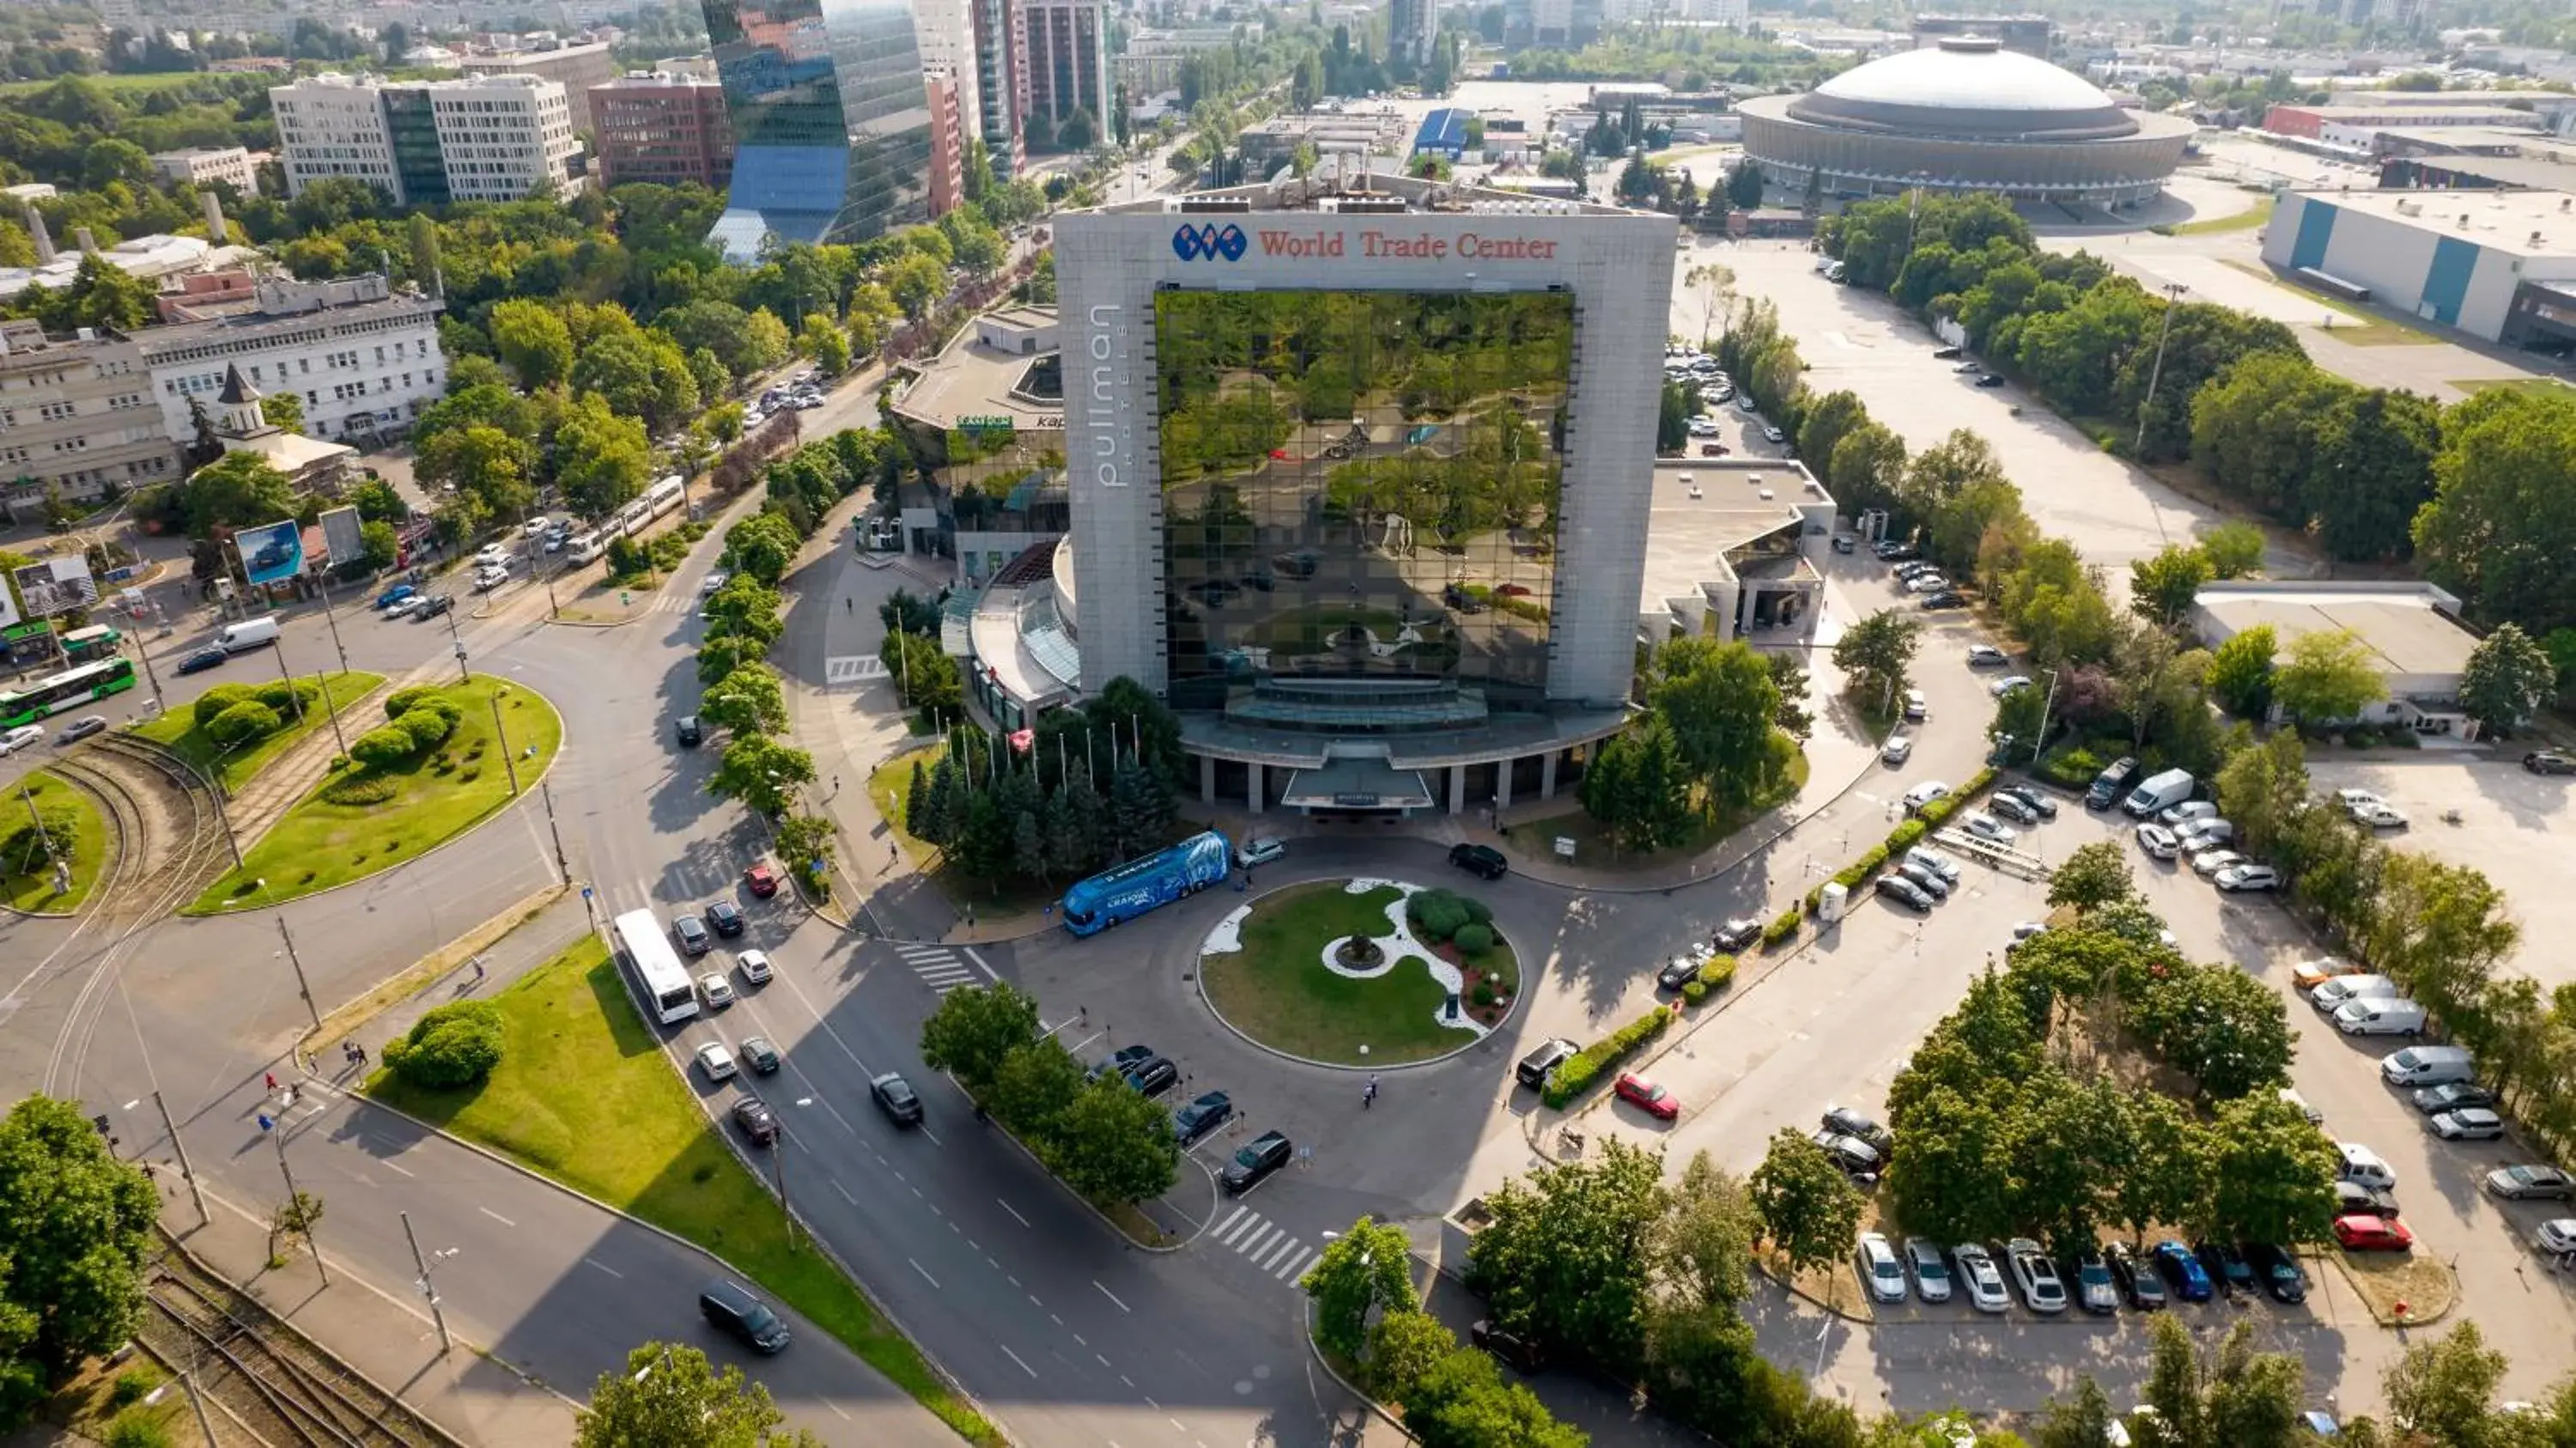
(853,669)
(940,967)
(1265,1244)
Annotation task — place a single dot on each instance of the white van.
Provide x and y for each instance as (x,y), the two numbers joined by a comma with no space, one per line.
(2361,1164)
(2379,1017)
(2332,995)
(233,638)
(2428,1066)
(2160,792)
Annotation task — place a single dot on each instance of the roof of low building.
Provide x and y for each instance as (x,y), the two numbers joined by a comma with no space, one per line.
(2408,627)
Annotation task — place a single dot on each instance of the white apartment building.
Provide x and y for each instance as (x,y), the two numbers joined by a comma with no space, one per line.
(198,165)
(364,359)
(332,125)
(503,137)
(76,415)
(945,32)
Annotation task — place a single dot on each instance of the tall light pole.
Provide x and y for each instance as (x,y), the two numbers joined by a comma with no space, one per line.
(302,986)
(446,1344)
(2173,292)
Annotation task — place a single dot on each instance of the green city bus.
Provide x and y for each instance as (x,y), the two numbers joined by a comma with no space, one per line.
(87,645)
(64,690)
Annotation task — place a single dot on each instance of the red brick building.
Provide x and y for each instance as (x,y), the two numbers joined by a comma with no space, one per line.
(654,126)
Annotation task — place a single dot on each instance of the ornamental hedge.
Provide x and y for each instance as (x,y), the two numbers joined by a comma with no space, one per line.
(1782,927)
(1714,974)
(454,1045)
(1585,1066)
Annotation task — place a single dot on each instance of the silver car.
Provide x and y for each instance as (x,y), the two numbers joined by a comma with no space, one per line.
(1879,1269)
(1931,1274)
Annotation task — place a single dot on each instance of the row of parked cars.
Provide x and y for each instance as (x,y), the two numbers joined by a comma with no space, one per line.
(2100,1280)
(1152,1074)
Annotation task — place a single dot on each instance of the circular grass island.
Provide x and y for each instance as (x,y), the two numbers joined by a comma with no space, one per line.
(1277,972)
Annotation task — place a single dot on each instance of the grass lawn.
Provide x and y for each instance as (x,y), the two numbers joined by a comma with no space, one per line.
(319,844)
(2247,220)
(1592,845)
(177,729)
(104,1398)
(89,848)
(2420,1279)
(2475,385)
(1277,990)
(584,1094)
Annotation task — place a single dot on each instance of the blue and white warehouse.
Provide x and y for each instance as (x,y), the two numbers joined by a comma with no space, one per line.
(2498,265)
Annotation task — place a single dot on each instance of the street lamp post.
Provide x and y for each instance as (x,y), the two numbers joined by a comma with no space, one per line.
(302,986)
(502,735)
(446,1344)
(2173,292)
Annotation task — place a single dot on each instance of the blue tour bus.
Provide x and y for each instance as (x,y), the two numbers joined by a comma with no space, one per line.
(1123,892)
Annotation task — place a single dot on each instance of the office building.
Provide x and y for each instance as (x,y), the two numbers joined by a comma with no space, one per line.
(76,417)
(1412,28)
(1067,47)
(198,165)
(574,67)
(947,144)
(663,128)
(831,120)
(947,32)
(427,143)
(1001,85)
(1359,553)
(365,358)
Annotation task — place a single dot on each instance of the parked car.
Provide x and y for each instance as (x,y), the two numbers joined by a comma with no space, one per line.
(2227,1267)
(2181,1270)
(2353,1198)
(1986,656)
(1986,827)
(1859,1160)
(896,1098)
(1897,749)
(1259,1157)
(2473,1123)
(1679,971)
(2380,816)
(1648,1095)
(2373,1234)
(688,731)
(2107,785)
(1847,1122)
(1905,892)
(2035,1275)
(1116,1064)
(1523,1356)
(2278,1269)
(756,1120)
(1978,1273)
(1923,794)
(2249,877)
(2548,761)
(1481,860)
(1917,708)
(2307,975)
(2139,1285)
(1209,1111)
(2208,863)
(2095,1291)
(2531,1183)
(1931,1273)
(1260,850)
(2012,807)
(1542,1061)
(1926,879)
(1151,1076)
(1990,379)
(2558,1239)
(2158,842)
(1736,934)
(1880,1271)
(1932,859)
(2433,1100)
(2008,684)
(202,660)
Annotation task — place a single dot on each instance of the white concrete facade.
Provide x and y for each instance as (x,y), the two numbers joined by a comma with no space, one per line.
(332,125)
(1618,264)
(76,417)
(198,165)
(364,361)
(2414,253)
(504,137)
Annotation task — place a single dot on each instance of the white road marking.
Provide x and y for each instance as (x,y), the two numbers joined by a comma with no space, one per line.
(844,1191)
(1294,1265)
(836,1408)
(1246,1225)
(934,1286)
(1230,1217)
(1255,1244)
(934,1138)
(1015,1357)
(604,1267)
(1112,1296)
(980,965)
(496,1216)
(389,1166)
(1277,1254)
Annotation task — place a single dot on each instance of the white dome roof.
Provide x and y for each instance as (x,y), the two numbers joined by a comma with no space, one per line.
(1966,86)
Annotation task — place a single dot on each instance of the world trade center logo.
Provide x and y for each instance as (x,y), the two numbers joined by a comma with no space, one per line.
(1210,241)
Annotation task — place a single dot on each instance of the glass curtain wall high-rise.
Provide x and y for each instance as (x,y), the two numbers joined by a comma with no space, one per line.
(1360,495)
(830,116)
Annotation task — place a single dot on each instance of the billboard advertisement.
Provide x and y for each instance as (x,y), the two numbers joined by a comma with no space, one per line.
(272,554)
(340,536)
(57,585)
(8,606)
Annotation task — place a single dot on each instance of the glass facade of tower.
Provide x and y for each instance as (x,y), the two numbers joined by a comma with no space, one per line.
(830,117)
(1360,499)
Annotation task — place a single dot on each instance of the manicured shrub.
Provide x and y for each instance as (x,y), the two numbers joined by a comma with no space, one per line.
(286,698)
(1904,837)
(383,748)
(403,701)
(428,728)
(1484,993)
(1938,810)
(359,789)
(242,723)
(1782,926)
(219,698)
(1693,992)
(1438,915)
(454,1045)
(1716,972)
(1587,1065)
(1473,939)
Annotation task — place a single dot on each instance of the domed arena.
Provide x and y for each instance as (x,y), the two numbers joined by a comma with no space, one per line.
(1965,115)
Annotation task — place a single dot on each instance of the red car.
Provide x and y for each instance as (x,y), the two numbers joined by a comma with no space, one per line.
(762,879)
(2373,1234)
(1648,1097)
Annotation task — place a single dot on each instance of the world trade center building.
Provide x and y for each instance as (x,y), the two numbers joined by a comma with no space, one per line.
(831,120)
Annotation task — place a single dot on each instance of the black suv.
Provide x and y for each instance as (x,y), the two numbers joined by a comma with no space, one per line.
(1152,1076)
(1118,1065)
(1482,860)
(1737,934)
(726,919)
(730,1306)
(756,1120)
(1541,1063)
(690,735)
(2139,1285)
(2108,784)
(1201,1116)
(2279,1270)
(1265,1154)
(1521,1355)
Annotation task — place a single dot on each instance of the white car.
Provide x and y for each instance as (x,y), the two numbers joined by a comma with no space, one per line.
(1985,1284)
(2158,841)
(715,1060)
(2036,1275)
(755,966)
(2249,877)
(1926,583)
(2379,817)
(714,583)
(1897,748)
(1986,827)
(1931,1274)
(2187,812)
(1923,794)
(2473,1123)
(2208,863)
(1986,656)
(1934,861)
(2558,1237)
(2007,684)
(21,737)
(1773,434)
(491,553)
(715,990)
(1702,427)
(2356,798)
(1880,1270)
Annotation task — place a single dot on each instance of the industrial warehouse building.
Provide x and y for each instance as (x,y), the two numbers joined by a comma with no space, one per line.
(2500,265)
(1963,115)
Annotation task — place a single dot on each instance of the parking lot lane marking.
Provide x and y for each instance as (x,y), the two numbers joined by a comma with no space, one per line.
(1104,1362)
(1131,1382)
(1112,1296)
(1015,1216)
(934,1286)
(1057,1320)
(604,1267)
(1176,1423)
(844,1191)
(1015,1357)
(496,1216)
(1081,1341)
(1294,1263)
(1230,1216)
(836,1408)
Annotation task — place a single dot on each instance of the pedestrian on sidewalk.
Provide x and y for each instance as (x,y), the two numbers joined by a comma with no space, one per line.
(270,1077)
(290,1094)
(478,969)
(1368,1094)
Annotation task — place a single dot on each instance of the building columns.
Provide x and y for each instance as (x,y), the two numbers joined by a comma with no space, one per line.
(1547,775)
(1207,779)
(1457,789)
(1502,787)
(1253,794)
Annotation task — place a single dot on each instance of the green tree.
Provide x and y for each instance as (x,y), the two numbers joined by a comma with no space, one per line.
(762,545)
(380,547)
(78,1222)
(1720,702)
(2507,679)
(1807,1207)
(1032,1086)
(1404,1347)
(2240,672)
(2272,1177)
(750,700)
(533,341)
(284,409)
(2234,550)
(2093,876)
(2501,529)
(1363,1270)
(2328,677)
(670,1396)
(761,774)
(1704,1240)
(2444,1388)
(975,1028)
(604,458)
(2173,1387)
(483,460)
(1744,186)
(1874,655)
(2161,588)
(1640,787)
(1463,1402)
(2081,1419)
(826,343)
(240,490)
(1567,1261)
(2226,1029)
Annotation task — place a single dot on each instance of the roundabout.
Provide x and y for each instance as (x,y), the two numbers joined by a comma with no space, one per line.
(1359,973)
